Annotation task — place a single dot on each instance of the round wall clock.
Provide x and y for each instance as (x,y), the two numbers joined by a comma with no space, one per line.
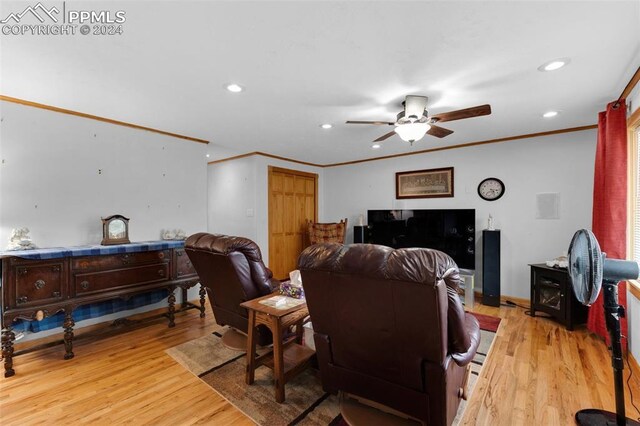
(491,189)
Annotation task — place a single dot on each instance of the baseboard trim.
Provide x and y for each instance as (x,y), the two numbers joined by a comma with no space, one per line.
(503,299)
(634,362)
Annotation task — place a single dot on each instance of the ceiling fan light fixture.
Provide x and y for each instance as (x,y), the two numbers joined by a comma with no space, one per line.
(411,132)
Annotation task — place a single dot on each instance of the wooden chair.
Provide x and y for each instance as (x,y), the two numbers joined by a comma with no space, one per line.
(326,232)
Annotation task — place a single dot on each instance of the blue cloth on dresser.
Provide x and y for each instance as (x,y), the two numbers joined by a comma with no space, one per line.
(75,251)
(92,310)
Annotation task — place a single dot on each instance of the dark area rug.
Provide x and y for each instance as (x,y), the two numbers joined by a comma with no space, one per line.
(306,403)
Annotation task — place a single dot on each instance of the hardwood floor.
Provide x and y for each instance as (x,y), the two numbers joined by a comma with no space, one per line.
(537,373)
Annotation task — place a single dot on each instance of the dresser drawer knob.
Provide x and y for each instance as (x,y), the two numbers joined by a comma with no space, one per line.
(39,284)
(84,285)
(180,253)
(56,268)
(22,299)
(55,294)
(161,272)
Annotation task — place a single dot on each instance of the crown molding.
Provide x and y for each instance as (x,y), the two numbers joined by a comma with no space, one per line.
(97,118)
(265,154)
(405,154)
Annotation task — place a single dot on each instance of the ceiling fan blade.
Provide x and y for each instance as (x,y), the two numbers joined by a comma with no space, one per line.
(385,136)
(476,111)
(378,123)
(414,106)
(439,132)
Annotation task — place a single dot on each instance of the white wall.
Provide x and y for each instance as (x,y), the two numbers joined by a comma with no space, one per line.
(232,190)
(239,185)
(50,180)
(560,163)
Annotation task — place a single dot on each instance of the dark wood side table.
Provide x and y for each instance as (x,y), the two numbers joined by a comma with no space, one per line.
(288,358)
(552,293)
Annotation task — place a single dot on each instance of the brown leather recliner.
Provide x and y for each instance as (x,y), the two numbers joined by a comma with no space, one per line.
(389,326)
(232,272)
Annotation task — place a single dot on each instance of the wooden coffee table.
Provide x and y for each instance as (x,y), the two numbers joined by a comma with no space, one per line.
(288,358)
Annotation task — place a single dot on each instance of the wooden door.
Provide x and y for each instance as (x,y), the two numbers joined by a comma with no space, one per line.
(292,201)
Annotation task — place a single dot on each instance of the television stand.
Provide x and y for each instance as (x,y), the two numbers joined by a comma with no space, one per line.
(552,293)
(468,277)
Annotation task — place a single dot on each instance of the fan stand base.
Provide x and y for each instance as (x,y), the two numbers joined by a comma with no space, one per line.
(596,417)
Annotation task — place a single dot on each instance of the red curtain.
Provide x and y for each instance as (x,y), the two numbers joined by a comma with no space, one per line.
(610,202)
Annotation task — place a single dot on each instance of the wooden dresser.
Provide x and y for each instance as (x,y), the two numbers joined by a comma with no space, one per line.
(39,283)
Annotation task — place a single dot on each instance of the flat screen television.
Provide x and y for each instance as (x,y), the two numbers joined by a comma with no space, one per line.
(452,231)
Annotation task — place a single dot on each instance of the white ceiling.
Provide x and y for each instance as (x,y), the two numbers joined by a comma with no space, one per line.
(307,63)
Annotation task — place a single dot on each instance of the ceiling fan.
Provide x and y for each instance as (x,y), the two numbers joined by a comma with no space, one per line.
(414,122)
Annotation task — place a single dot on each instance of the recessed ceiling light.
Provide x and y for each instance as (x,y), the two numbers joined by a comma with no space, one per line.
(555,64)
(326,126)
(550,114)
(375,145)
(235,88)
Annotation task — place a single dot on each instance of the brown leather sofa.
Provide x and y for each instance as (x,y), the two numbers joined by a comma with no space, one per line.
(232,272)
(389,326)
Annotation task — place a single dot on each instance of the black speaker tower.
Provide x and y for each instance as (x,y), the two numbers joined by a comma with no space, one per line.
(491,267)
(360,234)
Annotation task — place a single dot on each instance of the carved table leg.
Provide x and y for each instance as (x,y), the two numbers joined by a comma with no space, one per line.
(7,351)
(278,359)
(68,334)
(172,308)
(251,348)
(203,292)
(299,331)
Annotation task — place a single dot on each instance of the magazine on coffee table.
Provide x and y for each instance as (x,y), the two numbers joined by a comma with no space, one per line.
(282,302)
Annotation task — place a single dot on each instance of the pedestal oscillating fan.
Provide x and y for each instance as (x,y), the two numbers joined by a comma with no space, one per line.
(590,270)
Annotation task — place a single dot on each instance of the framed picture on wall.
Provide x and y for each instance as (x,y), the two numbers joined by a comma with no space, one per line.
(431,183)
